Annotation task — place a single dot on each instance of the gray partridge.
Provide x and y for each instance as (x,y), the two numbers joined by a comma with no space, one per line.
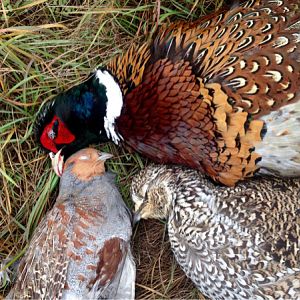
(239,242)
(220,94)
(81,249)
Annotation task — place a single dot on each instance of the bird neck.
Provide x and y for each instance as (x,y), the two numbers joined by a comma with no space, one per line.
(92,107)
(114,103)
(83,192)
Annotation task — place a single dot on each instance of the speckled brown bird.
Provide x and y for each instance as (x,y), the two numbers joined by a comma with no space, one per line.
(234,243)
(81,249)
(220,94)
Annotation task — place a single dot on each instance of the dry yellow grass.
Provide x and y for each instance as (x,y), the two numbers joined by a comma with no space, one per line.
(47,46)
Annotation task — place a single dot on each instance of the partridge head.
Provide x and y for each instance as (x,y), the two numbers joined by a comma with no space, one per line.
(239,242)
(220,94)
(81,249)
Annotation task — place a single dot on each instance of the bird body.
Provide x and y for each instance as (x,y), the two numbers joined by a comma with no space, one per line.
(237,242)
(81,249)
(220,94)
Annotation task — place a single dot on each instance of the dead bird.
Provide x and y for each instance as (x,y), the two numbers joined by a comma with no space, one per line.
(233,242)
(81,249)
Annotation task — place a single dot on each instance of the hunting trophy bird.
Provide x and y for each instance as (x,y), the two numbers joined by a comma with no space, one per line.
(81,249)
(239,242)
(220,94)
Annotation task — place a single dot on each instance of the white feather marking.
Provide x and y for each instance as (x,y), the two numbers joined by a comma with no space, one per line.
(267,10)
(266,28)
(237,82)
(245,42)
(220,50)
(114,104)
(83,157)
(248,102)
(266,39)
(290,68)
(266,59)
(222,32)
(278,58)
(227,71)
(253,89)
(239,34)
(276,75)
(280,42)
(242,64)
(250,23)
(255,67)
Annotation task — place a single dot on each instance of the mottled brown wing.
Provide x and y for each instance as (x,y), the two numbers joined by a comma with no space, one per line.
(43,269)
(206,83)
(170,120)
(179,119)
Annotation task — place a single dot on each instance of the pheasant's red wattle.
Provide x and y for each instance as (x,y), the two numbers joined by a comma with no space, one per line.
(64,135)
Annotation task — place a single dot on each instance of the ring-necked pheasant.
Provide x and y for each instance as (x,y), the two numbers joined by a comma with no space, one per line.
(220,94)
(81,249)
(239,242)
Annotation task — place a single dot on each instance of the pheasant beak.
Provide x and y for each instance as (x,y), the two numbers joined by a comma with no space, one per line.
(57,161)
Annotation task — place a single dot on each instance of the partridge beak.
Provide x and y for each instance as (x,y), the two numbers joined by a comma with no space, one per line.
(104,156)
(57,162)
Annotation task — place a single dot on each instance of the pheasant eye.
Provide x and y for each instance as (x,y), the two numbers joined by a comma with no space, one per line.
(55,127)
(51,134)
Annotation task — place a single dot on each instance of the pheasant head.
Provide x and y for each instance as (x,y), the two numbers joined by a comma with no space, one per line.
(82,115)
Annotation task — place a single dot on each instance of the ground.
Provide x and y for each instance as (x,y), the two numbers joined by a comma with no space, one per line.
(46,47)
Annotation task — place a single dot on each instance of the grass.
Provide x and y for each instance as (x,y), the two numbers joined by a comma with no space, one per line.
(46,47)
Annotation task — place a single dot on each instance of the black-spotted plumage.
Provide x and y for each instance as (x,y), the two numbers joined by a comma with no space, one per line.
(234,243)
